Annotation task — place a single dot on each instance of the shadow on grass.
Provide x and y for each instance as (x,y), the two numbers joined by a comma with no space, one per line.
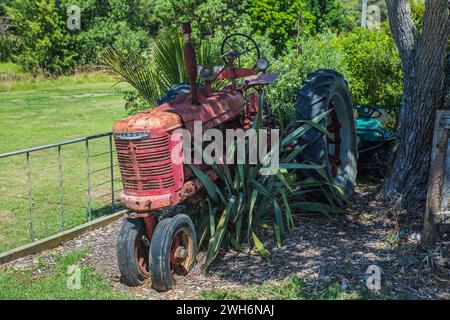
(105,210)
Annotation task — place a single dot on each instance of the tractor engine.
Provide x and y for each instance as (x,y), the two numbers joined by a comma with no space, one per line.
(151,179)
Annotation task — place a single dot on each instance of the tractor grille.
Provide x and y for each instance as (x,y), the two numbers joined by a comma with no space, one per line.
(145,165)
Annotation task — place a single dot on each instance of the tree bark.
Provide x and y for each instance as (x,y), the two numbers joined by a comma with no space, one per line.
(423,56)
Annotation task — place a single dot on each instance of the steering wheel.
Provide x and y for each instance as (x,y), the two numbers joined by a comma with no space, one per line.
(371,113)
(240,47)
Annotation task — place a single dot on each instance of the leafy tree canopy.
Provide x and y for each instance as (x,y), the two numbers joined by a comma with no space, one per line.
(283,21)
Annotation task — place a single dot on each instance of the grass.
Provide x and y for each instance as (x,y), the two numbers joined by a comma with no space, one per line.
(14,78)
(42,111)
(11,68)
(291,288)
(58,112)
(48,281)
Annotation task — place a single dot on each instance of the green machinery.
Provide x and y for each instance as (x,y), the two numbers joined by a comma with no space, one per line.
(375,142)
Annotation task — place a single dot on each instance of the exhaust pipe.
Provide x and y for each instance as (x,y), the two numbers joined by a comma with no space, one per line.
(190,61)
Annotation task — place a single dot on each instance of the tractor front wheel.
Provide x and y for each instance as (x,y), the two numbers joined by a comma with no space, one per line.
(172,251)
(326,90)
(133,248)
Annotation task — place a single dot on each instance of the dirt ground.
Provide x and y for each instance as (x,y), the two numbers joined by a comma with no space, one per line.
(319,250)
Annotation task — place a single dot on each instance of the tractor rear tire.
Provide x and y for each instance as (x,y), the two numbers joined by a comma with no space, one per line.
(321,91)
(133,250)
(172,251)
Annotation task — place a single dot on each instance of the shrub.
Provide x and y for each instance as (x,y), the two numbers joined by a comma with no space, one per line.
(47,43)
(92,43)
(134,102)
(9,45)
(329,15)
(284,22)
(208,17)
(374,67)
(315,53)
(368,60)
(45,38)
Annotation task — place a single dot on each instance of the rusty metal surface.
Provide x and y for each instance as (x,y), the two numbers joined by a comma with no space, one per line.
(150,223)
(146,165)
(235,73)
(151,179)
(144,204)
(148,203)
(335,129)
(190,60)
(261,79)
(155,121)
(213,110)
(181,255)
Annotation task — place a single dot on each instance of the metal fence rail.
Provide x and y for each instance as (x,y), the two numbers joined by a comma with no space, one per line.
(107,186)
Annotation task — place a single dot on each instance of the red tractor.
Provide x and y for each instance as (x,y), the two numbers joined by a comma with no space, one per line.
(160,248)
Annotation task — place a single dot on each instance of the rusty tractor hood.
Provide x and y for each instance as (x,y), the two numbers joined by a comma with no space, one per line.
(212,110)
(156,122)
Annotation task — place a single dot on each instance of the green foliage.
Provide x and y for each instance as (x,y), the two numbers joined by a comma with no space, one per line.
(9,45)
(353,9)
(374,67)
(315,53)
(417,10)
(245,200)
(208,17)
(45,42)
(284,22)
(128,25)
(329,15)
(162,67)
(48,45)
(134,102)
(368,60)
(11,68)
(45,38)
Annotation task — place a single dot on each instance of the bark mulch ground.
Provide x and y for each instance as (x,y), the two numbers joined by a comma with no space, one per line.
(319,250)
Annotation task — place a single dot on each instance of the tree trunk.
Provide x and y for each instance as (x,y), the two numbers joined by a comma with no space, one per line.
(423,56)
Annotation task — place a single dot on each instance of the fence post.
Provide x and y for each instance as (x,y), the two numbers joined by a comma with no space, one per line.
(88,175)
(61,188)
(438,180)
(30,196)
(111,161)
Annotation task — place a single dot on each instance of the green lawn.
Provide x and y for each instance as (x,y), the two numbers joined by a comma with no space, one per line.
(291,288)
(36,112)
(48,280)
(58,111)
